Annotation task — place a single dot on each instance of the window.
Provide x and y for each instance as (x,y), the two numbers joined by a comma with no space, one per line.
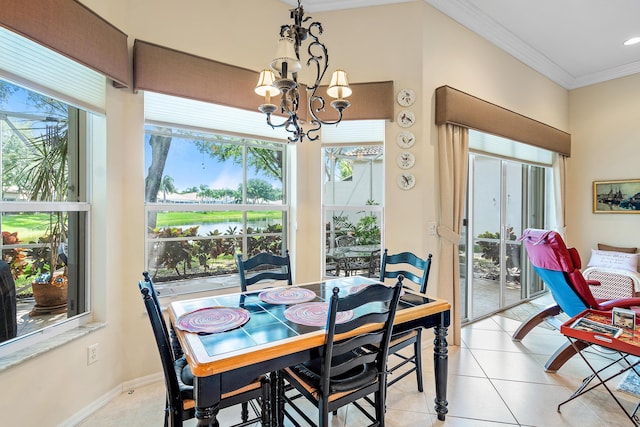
(353,195)
(208,197)
(44,208)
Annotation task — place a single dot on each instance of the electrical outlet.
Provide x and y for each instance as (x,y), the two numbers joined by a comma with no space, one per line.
(92,354)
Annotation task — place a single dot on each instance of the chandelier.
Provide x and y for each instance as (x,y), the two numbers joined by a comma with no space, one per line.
(286,65)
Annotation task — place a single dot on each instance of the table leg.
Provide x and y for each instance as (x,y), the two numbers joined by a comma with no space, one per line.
(441,368)
(207,397)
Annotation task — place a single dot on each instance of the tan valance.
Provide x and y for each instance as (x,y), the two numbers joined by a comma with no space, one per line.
(72,30)
(172,72)
(456,107)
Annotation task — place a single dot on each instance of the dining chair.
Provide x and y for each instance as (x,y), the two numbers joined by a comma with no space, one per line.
(416,270)
(264,266)
(350,369)
(180,403)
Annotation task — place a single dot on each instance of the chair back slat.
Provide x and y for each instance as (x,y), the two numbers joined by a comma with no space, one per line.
(264,266)
(407,264)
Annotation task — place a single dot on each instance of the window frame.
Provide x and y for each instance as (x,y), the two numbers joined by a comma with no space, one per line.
(244,207)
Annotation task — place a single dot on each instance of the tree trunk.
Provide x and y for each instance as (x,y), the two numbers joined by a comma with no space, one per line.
(159,151)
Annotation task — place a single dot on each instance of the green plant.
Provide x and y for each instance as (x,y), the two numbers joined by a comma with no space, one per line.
(48,257)
(14,257)
(366,230)
(491,250)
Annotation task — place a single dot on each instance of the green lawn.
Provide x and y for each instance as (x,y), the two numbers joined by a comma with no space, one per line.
(32,226)
(29,226)
(172,219)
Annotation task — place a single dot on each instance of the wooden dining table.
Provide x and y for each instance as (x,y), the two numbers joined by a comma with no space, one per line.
(269,341)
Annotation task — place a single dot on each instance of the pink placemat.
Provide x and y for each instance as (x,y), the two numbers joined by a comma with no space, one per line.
(213,319)
(288,295)
(314,314)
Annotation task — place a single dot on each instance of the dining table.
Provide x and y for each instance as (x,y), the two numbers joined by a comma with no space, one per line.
(231,339)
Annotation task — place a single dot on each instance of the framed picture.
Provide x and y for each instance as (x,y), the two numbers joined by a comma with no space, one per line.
(616,196)
(623,318)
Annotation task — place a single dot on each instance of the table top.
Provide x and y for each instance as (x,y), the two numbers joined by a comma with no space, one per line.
(268,333)
(627,341)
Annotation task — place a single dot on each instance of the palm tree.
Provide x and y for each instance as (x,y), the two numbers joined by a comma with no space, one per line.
(166,185)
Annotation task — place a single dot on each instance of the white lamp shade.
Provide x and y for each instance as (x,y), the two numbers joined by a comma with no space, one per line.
(286,53)
(265,84)
(339,86)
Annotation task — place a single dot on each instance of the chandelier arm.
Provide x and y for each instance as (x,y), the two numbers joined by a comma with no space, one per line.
(295,34)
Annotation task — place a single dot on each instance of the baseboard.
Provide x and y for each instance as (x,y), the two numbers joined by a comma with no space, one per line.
(108,397)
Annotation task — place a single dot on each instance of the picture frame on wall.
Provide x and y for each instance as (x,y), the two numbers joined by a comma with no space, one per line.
(621,196)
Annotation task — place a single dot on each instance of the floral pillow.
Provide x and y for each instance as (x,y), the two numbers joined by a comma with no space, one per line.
(615,260)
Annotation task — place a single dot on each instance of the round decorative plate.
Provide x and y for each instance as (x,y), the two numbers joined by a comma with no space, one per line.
(405,160)
(314,314)
(288,295)
(406,181)
(406,118)
(406,139)
(210,320)
(406,97)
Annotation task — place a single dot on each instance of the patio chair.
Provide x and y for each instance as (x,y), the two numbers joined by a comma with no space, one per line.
(559,268)
(351,369)
(415,269)
(264,266)
(180,404)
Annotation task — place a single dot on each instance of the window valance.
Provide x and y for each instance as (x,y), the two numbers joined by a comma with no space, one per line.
(456,107)
(73,30)
(171,72)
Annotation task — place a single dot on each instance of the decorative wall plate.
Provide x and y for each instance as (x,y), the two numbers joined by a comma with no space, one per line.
(406,97)
(406,181)
(406,139)
(406,118)
(405,160)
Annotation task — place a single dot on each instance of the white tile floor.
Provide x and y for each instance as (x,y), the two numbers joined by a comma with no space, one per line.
(493,381)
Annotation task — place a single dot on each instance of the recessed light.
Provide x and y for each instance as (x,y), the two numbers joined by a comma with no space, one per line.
(632,40)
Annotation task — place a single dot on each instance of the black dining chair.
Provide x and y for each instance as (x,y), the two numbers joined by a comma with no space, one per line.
(350,369)
(264,266)
(416,270)
(180,403)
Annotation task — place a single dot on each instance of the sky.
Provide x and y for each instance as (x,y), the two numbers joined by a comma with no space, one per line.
(188,168)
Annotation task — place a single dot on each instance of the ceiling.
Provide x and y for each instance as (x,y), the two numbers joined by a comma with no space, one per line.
(575,43)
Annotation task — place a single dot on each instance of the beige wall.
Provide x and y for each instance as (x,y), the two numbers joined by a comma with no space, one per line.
(605,144)
(409,43)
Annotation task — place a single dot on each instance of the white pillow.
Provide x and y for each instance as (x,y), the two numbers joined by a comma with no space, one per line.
(616,260)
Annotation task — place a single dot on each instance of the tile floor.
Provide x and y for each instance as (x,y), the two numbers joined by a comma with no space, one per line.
(493,381)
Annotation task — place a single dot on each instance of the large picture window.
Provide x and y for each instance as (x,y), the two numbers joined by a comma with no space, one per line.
(208,197)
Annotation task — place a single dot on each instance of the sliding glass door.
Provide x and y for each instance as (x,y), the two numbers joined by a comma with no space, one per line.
(504,198)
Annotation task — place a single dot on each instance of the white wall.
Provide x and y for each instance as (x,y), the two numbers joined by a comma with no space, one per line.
(409,43)
(605,146)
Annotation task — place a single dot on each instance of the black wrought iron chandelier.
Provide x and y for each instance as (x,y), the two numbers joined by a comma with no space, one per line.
(287,65)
